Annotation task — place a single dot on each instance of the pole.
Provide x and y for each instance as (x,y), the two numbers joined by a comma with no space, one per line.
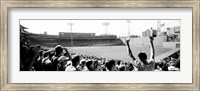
(71,24)
(71,34)
(129,21)
(106,27)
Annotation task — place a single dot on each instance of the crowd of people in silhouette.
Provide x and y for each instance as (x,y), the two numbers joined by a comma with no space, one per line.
(36,58)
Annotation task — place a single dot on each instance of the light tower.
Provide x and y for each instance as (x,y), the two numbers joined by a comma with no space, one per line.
(71,24)
(106,24)
(129,21)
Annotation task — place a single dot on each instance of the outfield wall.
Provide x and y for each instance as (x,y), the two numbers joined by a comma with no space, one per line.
(76,42)
(158,41)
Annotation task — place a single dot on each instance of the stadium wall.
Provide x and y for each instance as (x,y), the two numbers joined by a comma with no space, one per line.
(158,41)
(75,42)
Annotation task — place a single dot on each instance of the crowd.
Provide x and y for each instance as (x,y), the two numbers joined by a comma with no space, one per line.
(59,59)
(172,38)
(36,58)
(171,63)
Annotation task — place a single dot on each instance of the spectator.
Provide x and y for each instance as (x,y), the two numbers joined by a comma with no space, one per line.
(76,61)
(28,57)
(38,63)
(144,65)
(82,66)
(58,53)
(69,66)
(111,65)
(59,59)
(62,62)
(47,65)
(90,65)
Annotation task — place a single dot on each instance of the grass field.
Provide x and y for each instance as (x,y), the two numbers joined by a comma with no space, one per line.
(116,52)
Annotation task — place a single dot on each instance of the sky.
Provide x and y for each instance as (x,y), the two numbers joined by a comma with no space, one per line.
(116,27)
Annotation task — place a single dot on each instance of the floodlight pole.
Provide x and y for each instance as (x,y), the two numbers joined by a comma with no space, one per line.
(71,24)
(129,21)
(106,27)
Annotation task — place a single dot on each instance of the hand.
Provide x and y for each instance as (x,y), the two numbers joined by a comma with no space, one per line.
(151,38)
(127,40)
(66,50)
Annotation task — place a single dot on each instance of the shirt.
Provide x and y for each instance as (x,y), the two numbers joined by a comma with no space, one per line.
(70,68)
(47,65)
(142,67)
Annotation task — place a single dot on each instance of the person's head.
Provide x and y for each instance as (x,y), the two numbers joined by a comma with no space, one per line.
(76,61)
(130,67)
(83,63)
(164,61)
(97,66)
(172,63)
(41,53)
(58,49)
(111,65)
(142,56)
(46,54)
(125,63)
(175,55)
(168,59)
(173,59)
(122,68)
(158,65)
(90,65)
(69,63)
(118,62)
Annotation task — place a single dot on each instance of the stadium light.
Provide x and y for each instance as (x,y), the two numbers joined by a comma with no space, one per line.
(128,21)
(106,24)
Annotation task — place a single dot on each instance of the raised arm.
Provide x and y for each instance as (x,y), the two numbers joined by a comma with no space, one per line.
(68,54)
(152,50)
(129,49)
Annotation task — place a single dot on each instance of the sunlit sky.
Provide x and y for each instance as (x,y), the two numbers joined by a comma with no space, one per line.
(116,27)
